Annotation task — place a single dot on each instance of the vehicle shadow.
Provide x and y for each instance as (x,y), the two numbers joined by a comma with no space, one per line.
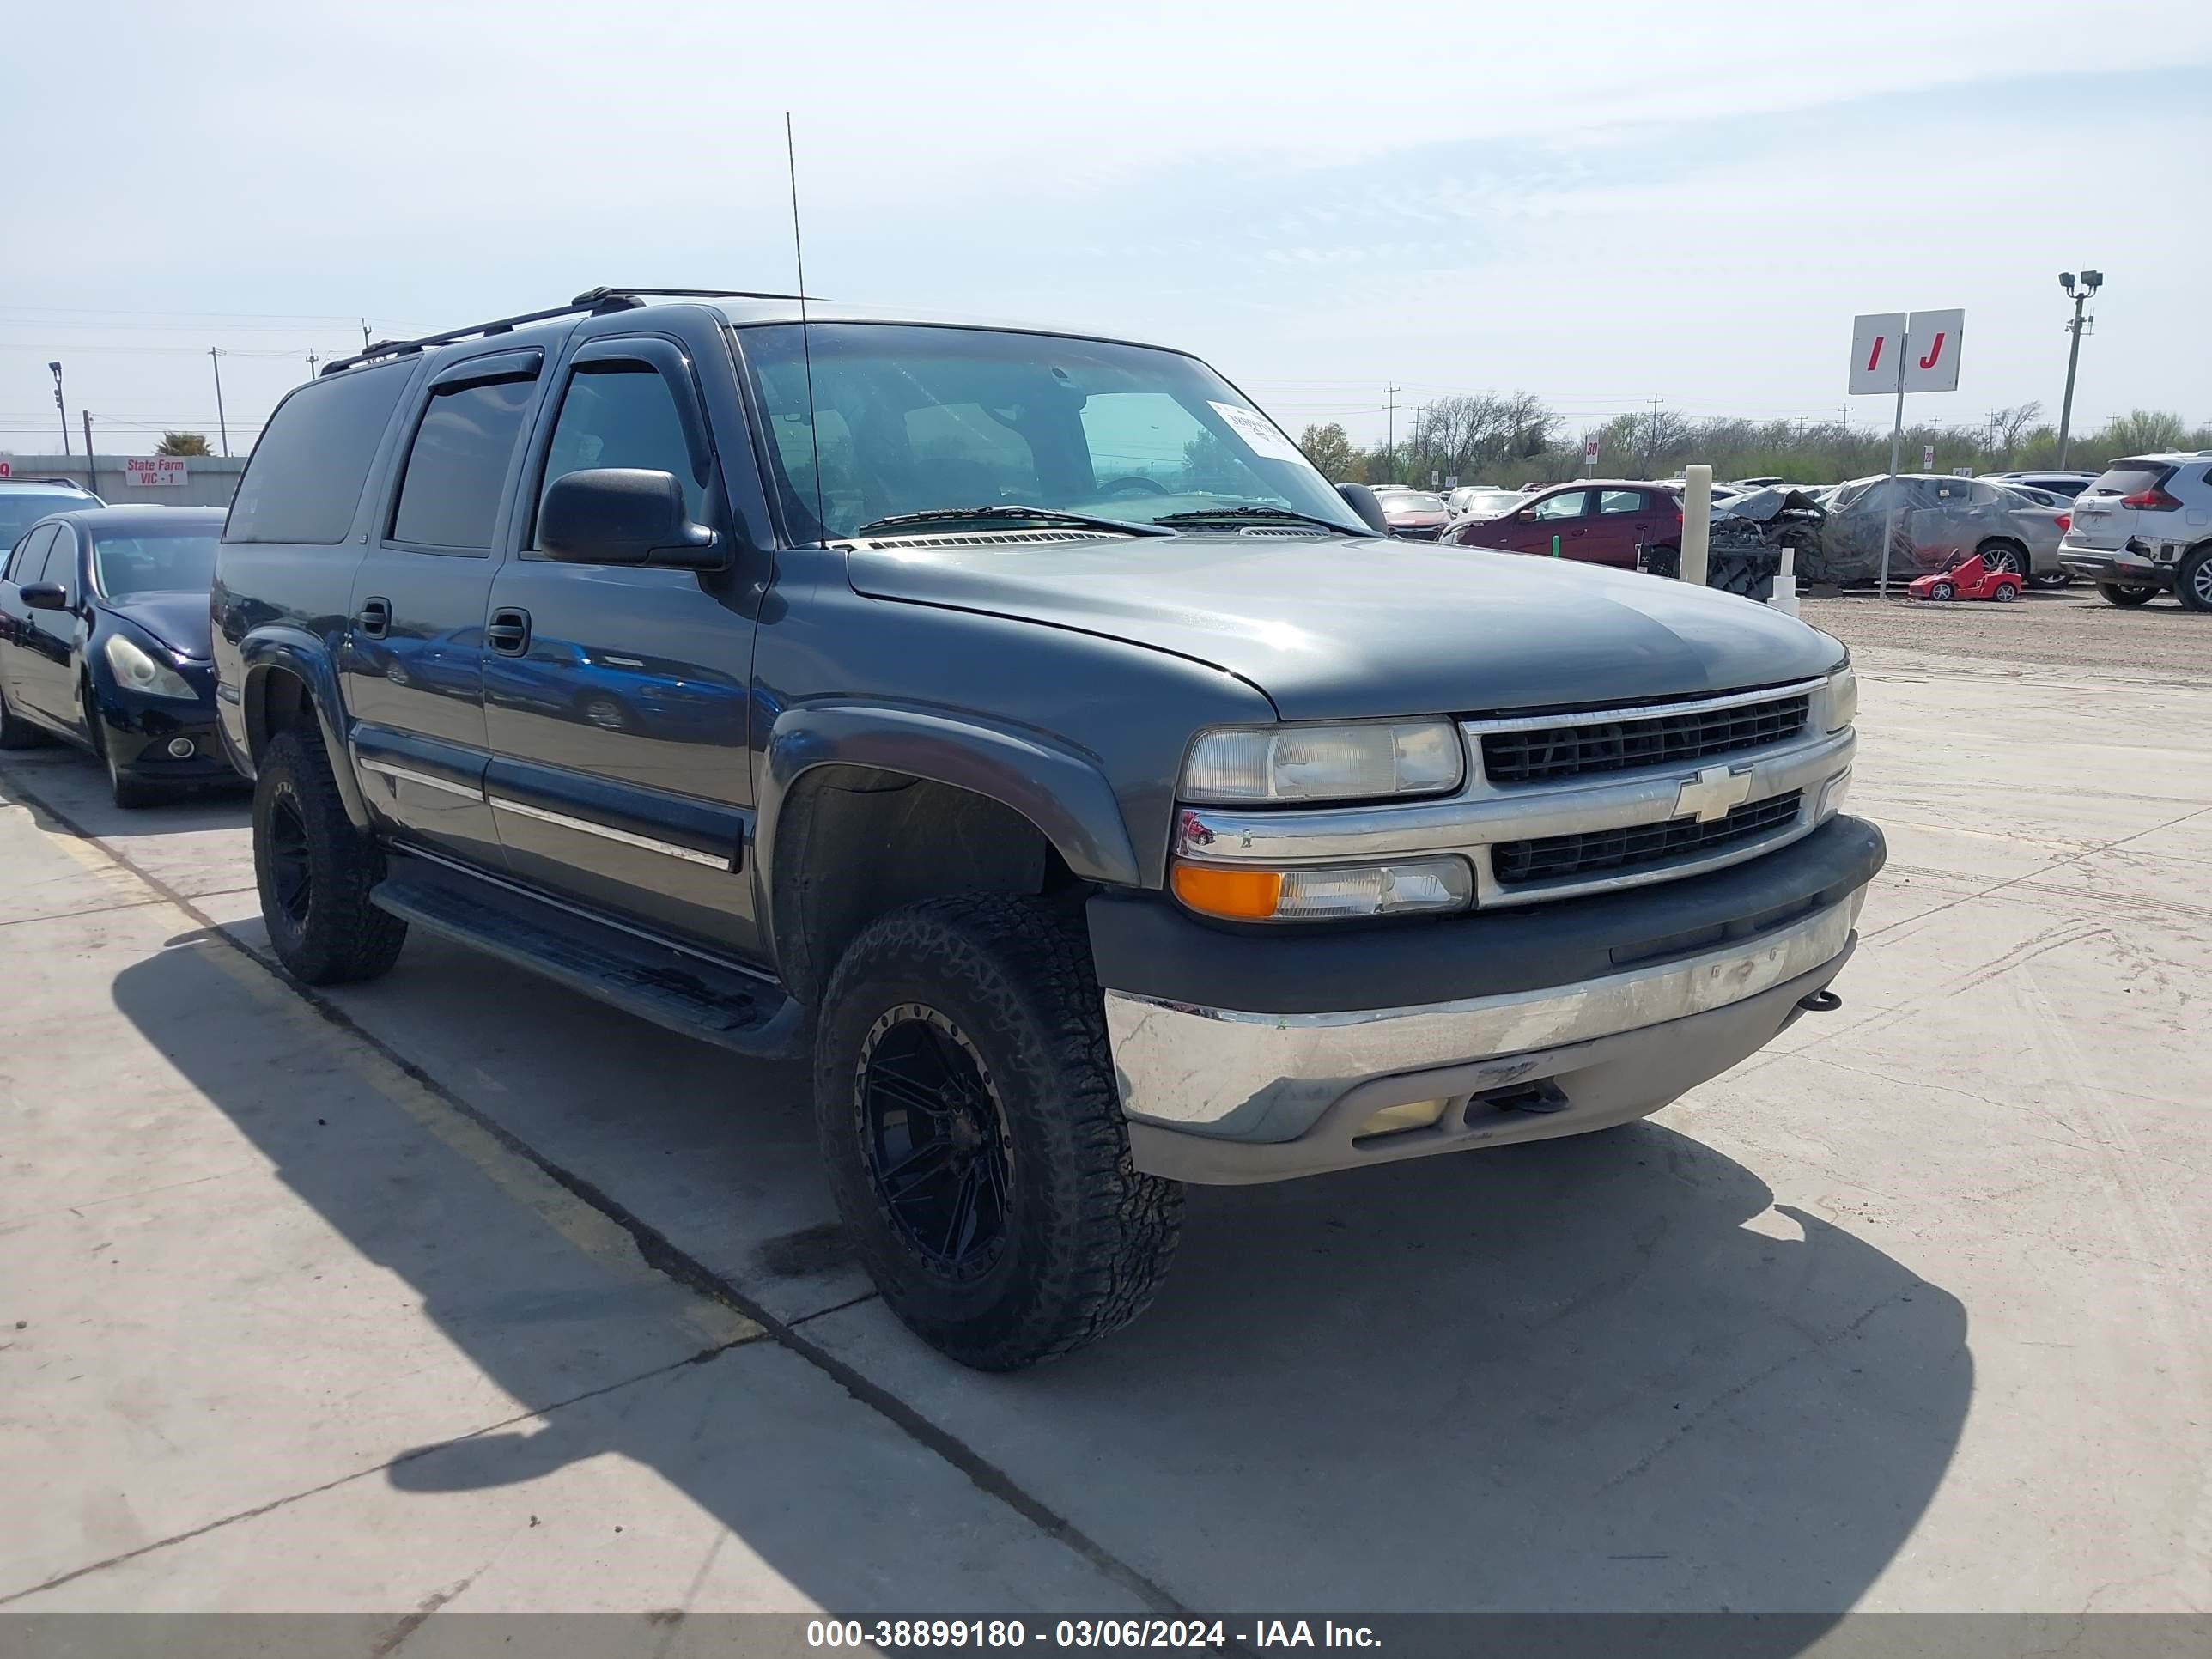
(1594,1375)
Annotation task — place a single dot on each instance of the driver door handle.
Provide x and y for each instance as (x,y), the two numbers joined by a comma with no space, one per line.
(374,617)
(508,631)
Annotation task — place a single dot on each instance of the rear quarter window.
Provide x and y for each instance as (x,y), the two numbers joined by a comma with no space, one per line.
(308,472)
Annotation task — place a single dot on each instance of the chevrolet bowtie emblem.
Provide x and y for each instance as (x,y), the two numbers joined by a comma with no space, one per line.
(1711,793)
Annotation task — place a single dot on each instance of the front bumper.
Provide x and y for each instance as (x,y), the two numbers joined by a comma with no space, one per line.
(136,732)
(1620,1003)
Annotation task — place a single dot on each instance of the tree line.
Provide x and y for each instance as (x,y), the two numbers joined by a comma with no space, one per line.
(1513,440)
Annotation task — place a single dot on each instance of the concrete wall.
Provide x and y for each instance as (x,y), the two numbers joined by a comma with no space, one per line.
(210,480)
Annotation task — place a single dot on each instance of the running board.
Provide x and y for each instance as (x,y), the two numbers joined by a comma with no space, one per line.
(673,988)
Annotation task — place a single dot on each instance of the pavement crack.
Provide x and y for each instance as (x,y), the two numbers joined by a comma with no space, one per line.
(410,1455)
(659,1252)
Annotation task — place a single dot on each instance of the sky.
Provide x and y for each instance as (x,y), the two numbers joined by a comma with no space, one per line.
(1602,203)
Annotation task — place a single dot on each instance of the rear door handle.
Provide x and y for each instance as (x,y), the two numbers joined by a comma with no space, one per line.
(509,632)
(374,617)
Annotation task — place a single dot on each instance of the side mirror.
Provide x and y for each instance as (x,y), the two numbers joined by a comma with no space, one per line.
(45,596)
(623,515)
(1361,500)
(1527,515)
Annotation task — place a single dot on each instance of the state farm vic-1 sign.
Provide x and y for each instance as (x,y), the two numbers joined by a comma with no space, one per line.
(154,471)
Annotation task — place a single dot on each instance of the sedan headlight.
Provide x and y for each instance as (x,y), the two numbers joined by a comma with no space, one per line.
(1362,761)
(136,670)
(1842,697)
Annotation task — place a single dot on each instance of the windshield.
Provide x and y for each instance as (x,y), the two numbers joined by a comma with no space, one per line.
(21,508)
(180,560)
(1411,500)
(1489,503)
(919,419)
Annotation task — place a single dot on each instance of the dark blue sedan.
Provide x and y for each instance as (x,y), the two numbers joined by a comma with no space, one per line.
(104,641)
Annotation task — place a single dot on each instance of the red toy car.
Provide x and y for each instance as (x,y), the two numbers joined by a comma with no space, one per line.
(1969,579)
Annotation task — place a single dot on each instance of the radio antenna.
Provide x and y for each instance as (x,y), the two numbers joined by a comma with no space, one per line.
(805,330)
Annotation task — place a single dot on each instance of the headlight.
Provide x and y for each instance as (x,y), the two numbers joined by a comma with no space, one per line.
(1842,697)
(136,671)
(1325,762)
(1403,887)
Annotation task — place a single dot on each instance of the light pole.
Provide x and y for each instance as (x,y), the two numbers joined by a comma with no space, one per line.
(64,407)
(2078,292)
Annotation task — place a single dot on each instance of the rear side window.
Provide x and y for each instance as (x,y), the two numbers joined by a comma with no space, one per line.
(457,466)
(308,472)
(2129,479)
(1619,501)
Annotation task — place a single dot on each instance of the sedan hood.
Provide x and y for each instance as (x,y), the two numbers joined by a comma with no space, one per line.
(1351,627)
(179,621)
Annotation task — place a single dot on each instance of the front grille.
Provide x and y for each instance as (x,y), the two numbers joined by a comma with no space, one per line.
(1602,852)
(1418,532)
(1548,754)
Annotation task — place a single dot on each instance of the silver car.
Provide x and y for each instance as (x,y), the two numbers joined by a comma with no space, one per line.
(1931,518)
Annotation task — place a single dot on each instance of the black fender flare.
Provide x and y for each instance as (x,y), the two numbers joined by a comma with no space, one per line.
(1055,787)
(297,651)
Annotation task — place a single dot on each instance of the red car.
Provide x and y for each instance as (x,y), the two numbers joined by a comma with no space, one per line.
(1598,521)
(1414,515)
(1970,579)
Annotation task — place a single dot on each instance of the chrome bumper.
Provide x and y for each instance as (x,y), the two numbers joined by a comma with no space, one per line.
(1226,1075)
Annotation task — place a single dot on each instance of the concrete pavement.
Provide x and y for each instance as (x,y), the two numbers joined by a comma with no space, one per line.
(1907,1313)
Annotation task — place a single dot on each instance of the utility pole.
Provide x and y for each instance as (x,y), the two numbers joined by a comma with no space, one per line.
(311,364)
(222,425)
(2079,293)
(64,407)
(1390,428)
(364,334)
(91,482)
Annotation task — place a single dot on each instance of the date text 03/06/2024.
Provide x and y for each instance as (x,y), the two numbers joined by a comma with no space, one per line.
(900,1633)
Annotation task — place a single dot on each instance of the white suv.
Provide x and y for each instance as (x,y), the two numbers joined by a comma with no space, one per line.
(2145,528)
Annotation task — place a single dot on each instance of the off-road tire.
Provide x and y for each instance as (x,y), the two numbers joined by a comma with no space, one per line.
(16,732)
(1749,574)
(1088,1239)
(2192,582)
(2113,593)
(338,937)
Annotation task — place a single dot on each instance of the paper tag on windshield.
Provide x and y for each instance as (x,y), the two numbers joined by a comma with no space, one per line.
(1259,434)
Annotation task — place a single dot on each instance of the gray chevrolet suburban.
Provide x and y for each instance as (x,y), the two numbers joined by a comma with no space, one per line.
(1015,724)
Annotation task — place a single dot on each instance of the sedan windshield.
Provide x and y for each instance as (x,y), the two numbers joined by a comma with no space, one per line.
(910,419)
(178,560)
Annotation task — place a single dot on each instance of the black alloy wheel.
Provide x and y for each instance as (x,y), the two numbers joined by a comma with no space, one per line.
(291,864)
(934,1139)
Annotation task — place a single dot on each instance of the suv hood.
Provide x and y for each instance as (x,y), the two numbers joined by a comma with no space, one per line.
(179,621)
(1350,628)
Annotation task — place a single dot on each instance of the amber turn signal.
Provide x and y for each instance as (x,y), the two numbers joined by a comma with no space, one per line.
(1236,894)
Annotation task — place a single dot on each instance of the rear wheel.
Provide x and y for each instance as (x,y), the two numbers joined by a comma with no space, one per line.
(2004,556)
(315,870)
(2193,583)
(2113,593)
(2007,592)
(974,1134)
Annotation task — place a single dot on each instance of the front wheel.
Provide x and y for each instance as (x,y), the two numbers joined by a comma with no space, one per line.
(974,1134)
(2193,583)
(1942,591)
(315,870)
(2113,593)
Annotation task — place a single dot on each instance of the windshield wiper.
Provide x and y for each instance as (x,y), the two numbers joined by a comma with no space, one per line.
(1046,516)
(1275,515)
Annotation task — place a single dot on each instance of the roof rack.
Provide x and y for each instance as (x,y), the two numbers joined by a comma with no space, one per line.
(597,301)
(66,484)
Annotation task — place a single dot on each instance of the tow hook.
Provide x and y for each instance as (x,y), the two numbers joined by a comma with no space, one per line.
(1820,1002)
